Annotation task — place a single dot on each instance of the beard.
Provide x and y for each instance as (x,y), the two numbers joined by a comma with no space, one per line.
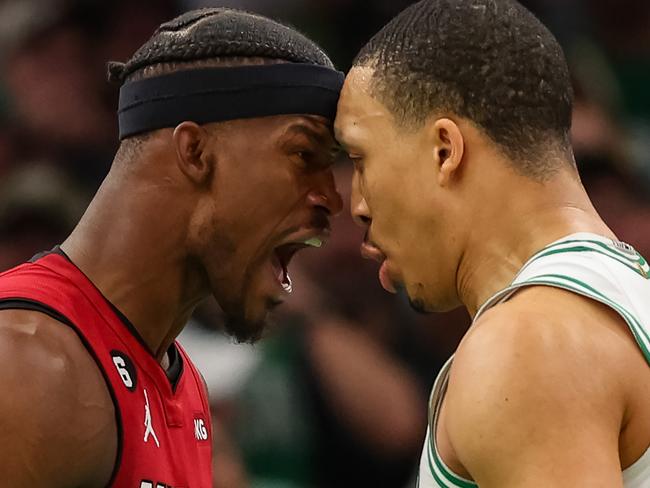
(231,316)
(246,331)
(419,306)
(242,330)
(230,285)
(427,307)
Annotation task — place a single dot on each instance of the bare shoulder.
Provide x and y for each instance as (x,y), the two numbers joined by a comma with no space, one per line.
(537,383)
(557,329)
(59,417)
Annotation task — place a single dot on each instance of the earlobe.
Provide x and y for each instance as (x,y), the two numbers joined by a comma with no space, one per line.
(449,148)
(190,143)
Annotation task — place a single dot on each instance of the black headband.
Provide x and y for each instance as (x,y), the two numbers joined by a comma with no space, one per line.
(218,94)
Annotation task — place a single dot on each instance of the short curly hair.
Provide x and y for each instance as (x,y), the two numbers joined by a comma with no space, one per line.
(490,61)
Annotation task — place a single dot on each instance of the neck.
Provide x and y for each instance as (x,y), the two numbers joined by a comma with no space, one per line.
(136,258)
(521,223)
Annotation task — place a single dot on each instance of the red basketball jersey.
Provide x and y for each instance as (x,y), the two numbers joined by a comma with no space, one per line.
(164,430)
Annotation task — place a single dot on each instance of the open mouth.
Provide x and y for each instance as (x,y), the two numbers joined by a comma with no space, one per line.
(282,256)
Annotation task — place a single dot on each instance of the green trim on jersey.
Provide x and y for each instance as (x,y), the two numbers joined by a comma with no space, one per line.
(633,257)
(626,263)
(636,262)
(451,479)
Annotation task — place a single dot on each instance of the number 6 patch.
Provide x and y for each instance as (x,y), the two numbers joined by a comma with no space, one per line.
(125,369)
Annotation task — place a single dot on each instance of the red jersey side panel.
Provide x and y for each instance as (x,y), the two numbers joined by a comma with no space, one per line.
(165,435)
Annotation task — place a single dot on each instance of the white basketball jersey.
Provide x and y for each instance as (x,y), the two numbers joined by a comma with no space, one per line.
(610,272)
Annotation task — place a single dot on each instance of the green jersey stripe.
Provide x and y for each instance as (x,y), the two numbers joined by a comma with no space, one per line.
(450,475)
(451,480)
(591,249)
(632,257)
(433,472)
(608,247)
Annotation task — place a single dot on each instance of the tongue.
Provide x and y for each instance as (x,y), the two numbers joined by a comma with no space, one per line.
(385,280)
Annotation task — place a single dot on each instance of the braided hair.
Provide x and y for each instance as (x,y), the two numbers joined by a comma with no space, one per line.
(212,37)
(219,34)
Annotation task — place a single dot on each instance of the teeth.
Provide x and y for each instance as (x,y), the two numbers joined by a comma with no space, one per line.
(287,285)
(314,242)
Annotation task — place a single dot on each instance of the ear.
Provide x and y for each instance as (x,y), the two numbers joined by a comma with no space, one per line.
(190,141)
(449,147)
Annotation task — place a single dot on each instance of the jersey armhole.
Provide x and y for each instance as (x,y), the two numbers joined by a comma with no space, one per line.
(35,306)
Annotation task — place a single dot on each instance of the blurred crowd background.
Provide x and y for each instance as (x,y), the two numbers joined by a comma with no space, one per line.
(336,395)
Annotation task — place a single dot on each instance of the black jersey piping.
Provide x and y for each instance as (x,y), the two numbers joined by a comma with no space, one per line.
(176,365)
(127,323)
(36,306)
(174,372)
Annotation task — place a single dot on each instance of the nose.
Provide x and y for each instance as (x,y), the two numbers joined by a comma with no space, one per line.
(326,196)
(358,206)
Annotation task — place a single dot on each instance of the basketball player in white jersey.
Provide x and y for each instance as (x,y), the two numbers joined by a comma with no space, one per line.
(457,117)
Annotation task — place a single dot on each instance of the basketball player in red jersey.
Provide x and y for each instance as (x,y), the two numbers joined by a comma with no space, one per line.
(222,174)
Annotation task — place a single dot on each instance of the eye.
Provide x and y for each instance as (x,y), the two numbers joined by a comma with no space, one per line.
(305,158)
(313,159)
(306,155)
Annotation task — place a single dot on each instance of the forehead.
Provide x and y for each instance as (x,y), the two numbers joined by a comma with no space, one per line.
(270,128)
(358,111)
(316,126)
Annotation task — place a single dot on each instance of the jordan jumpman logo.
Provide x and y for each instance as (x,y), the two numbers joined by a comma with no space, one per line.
(148,426)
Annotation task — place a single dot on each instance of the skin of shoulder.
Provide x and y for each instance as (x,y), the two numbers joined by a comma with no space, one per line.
(537,393)
(59,426)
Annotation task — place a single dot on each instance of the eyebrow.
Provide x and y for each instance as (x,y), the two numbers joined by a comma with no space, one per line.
(316,136)
(342,142)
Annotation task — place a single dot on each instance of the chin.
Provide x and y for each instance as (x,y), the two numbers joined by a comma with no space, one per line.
(420,306)
(249,328)
(244,331)
(244,308)
(430,304)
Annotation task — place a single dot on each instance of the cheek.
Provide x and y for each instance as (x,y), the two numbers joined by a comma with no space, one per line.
(210,241)
(399,202)
(249,215)
(246,211)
